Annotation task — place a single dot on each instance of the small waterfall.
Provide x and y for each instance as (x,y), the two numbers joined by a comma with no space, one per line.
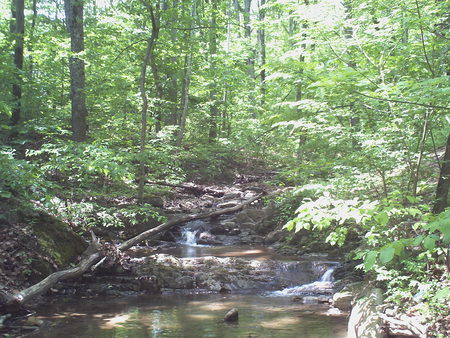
(327,276)
(188,237)
(323,285)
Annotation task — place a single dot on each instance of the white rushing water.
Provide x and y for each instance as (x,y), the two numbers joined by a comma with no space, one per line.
(188,237)
(323,285)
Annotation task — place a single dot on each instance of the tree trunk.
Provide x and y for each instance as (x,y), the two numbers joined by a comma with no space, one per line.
(421,148)
(142,79)
(444,182)
(187,79)
(17,30)
(213,109)
(185,98)
(156,77)
(74,21)
(262,50)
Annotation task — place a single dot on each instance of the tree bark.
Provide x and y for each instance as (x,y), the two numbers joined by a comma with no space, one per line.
(184,104)
(74,21)
(444,182)
(213,109)
(142,79)
(155,72)
(17,30)
(262,50)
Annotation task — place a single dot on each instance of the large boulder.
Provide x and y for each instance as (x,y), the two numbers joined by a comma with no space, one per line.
(260,220)
(343,301)
(365,318)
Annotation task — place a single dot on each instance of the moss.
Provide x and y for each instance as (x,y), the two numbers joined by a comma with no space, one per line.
(55,237)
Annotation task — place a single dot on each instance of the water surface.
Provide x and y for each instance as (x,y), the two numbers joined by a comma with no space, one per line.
(193,315)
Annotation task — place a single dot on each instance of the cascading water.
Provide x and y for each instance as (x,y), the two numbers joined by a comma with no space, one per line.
(323,285)
(188,237)
(327,276)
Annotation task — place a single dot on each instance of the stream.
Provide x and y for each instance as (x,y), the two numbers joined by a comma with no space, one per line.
(291,302)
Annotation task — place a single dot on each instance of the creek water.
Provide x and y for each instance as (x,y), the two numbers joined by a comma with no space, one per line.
(197,313)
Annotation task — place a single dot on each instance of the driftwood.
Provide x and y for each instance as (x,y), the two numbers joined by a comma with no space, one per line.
(93,257)
(193,188)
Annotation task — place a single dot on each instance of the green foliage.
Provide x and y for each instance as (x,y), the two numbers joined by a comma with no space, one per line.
(82,164)
(85,215)
(18,178)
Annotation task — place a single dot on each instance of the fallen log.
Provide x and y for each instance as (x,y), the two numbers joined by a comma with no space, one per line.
(152,232)
(93,255)
(193,188)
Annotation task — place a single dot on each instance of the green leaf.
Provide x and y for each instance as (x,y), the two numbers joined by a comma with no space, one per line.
(369,260)
(382,218)
(289,225)
(418,240)
(442,294)
(5,194)
(412,199)
(387,254)
(414,211)
(429,242)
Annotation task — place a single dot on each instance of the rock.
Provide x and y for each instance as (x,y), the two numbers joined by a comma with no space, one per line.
(231,195)
(274,236)
(206,238)
(168,236)
(34,321)
(234,232)
(232,315)
(364,319)
(228,224)
(218,230)
(343,301)
(156,201)
(228,204)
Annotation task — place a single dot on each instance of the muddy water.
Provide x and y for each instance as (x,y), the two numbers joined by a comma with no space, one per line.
(178,315)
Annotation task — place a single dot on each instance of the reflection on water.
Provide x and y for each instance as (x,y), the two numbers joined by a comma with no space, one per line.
(178,315)
(244,251)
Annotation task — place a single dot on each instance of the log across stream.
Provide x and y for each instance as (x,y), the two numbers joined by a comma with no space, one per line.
(274,308)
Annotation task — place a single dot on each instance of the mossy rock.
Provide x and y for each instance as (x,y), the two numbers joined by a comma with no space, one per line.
(55,237)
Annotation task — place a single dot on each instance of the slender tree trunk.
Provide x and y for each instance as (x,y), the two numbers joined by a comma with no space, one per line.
(18,30)
(74,19)
(262,50)
(172,80)
(30,46)
(185,98)
(213,109)
(421,148)
(156,77)
(142,79)
(237,10)
(187,79)
(444,182)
